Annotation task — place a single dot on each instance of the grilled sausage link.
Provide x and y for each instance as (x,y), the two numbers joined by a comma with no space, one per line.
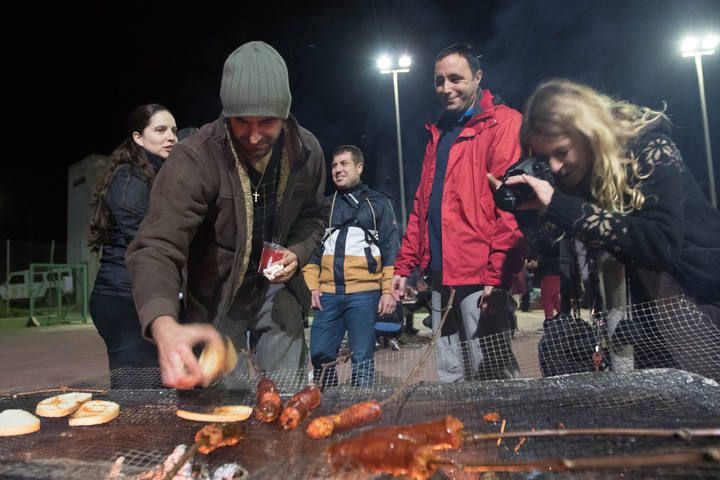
(443,434)
(383,455)
(299,406)
(268,406)
(354,415)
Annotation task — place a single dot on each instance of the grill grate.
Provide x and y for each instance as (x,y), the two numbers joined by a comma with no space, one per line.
(668,333)
(148,430)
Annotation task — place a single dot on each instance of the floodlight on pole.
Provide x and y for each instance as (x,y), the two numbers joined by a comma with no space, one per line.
(386,65)
(696,47)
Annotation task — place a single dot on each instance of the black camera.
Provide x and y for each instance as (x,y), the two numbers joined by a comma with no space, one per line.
(509,197)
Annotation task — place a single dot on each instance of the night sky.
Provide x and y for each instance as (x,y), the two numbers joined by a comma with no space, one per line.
(70,82)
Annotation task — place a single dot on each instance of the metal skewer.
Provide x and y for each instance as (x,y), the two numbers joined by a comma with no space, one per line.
(698,455)
(683,433)
(425,354)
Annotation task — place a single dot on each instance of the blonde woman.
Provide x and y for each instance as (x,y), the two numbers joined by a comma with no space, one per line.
(623,190)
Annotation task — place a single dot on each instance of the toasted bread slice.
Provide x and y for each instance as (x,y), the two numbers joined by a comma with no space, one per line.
(62,405)
(228,413)
(231,357)
(94,412)
(215,361)
(18,422)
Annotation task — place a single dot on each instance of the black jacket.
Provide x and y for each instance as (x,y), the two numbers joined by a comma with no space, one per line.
(127,200)
(676,231)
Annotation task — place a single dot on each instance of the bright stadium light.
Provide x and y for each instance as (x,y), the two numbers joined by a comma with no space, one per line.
(696,47)
(385,64)
(404,61)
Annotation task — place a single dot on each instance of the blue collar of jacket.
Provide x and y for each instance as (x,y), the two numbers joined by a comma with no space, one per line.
(448,122)
(155,160)
(482,110)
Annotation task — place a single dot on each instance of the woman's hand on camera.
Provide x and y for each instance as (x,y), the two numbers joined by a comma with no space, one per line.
(543,190)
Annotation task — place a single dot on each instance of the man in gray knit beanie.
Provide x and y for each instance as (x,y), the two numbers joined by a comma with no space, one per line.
(213,221)
(255,83)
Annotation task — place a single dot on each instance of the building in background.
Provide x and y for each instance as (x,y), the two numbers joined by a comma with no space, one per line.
(82,177)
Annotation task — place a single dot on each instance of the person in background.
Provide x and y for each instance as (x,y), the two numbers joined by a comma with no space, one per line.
(455,228)
(530,266)
(624,191)
(254,175)
(417,297)
(547,270)
(349,273)
(119,204)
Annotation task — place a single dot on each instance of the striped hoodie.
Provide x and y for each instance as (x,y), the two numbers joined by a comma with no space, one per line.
(358,250)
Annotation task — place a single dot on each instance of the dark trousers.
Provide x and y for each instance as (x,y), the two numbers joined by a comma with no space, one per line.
(117,322)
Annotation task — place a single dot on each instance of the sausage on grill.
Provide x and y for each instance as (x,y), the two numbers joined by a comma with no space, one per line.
(268,406)
(398,450)
(383,455)
(299,406)
(443,434)
(353,416)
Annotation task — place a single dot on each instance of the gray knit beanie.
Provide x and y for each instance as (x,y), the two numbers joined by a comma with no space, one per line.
(255,83)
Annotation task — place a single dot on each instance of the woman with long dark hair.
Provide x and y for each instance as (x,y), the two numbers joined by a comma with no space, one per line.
(119,204)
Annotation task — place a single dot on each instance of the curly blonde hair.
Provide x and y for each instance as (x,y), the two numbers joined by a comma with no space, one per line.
(565,108)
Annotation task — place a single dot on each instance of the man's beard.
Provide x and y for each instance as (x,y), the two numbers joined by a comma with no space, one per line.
(255,154)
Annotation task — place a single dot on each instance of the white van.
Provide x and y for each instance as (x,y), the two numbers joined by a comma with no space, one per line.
(45,285)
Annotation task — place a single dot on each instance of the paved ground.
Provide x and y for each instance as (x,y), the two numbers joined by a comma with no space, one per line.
(55,355)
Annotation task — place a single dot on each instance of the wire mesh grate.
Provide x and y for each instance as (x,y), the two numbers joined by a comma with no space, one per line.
(147,430)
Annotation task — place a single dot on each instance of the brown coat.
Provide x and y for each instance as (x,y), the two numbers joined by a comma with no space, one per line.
(200,217)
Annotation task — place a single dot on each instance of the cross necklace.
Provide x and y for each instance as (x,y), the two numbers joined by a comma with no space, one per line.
(255,194)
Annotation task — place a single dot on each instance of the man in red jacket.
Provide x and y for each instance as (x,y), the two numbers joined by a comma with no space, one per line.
(455,230)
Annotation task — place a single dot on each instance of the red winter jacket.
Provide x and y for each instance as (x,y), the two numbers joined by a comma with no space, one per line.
(482,245)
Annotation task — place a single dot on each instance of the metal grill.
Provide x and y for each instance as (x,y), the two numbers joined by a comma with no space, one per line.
(148,430)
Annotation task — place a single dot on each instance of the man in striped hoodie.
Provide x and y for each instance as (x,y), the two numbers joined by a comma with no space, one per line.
(349,274)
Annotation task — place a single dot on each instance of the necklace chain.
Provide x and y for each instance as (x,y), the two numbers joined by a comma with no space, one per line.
(255,194)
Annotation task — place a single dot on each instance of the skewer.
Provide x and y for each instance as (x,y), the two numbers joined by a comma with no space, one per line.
(683,433)
(697,455)
(425,354)
(324,366)
(61,388)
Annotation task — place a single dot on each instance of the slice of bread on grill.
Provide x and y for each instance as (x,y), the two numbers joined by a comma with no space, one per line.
(61,405)
(227,413)
(94,412)
(218,360)
(18,422)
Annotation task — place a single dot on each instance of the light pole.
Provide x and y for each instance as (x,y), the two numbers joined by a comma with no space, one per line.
(386,65)
(694,47)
